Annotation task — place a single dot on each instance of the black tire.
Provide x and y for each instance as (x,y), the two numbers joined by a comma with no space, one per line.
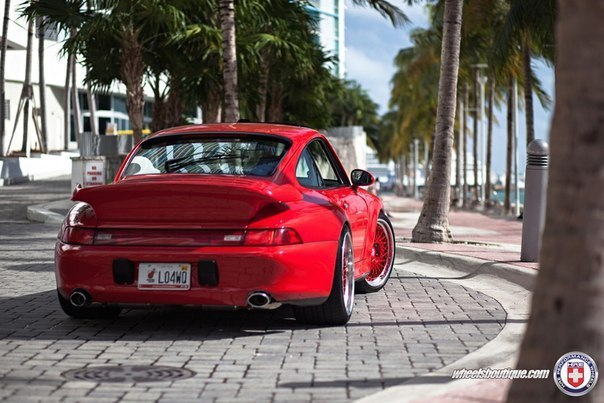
(88,312)
(338,308)
(376,281)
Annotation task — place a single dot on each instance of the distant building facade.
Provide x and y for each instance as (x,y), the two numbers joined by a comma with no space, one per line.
(330,14)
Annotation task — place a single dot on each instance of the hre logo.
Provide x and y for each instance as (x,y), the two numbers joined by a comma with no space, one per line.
(575,373)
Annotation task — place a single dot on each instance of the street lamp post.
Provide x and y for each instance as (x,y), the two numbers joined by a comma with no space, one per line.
(481,129)
(515,128)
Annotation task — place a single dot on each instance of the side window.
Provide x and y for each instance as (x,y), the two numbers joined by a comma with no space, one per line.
(306,172)
(324,164)
(315,168)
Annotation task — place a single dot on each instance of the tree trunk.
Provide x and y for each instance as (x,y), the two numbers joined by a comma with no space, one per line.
(528,93)
(275,108)
(27,83)
(3,45)
(464,198)
(158,111)
(211,108)
(91,109)
(42,87)
(229,56)
(490,99)
(433,223)
(568,300)
(131,71)
(66,96)
(475,139)
(75,100)
(458,148)
(262,88)
(509,150)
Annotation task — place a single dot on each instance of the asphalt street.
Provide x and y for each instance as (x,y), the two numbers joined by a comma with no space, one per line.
(415,326)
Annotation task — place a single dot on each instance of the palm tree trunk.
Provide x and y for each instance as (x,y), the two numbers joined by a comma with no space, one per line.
(567,304)
(490,99)
(211,107)
(42,86)
(262,88)
(75,100)
(433,223)
(27,83)
(509,150)
(66,96)
(91,109)
(3,45)
(458,148)
(475,138)
(464,197)
(131,71)
(528,93)
(229,55)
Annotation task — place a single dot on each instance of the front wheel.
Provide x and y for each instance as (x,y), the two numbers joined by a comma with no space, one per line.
(382,257)
(337,310)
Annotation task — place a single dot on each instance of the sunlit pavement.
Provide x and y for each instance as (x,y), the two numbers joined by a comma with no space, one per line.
(414,326)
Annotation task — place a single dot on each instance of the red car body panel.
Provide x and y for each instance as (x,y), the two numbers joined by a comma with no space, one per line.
(195,202)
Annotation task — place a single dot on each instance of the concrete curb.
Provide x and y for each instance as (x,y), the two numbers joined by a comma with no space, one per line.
(42,212)
(510,285)
(521,276)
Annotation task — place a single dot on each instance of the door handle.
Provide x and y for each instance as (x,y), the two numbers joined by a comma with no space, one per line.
(345,205)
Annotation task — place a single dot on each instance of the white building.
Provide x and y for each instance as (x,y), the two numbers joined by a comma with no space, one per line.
(330,14)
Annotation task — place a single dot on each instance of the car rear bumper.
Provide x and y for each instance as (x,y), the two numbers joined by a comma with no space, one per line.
(297,274)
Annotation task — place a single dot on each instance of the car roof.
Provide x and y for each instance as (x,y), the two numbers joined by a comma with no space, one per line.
(295,133)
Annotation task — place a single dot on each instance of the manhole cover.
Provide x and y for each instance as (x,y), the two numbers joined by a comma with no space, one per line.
(128,373)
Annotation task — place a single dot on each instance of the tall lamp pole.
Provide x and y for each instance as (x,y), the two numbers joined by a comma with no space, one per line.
(515,128)
(481,129)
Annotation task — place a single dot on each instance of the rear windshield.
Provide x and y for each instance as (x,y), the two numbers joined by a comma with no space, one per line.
(217,156)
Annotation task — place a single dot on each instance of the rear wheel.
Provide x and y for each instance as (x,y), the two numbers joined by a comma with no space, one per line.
(337,310)
(88,312)
(382,257)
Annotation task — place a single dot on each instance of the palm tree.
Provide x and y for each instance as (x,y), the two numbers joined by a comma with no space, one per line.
(27,84)
(567,305)
(42,84)
(3,44)
(229,58)
(433,223)
(124,28)
(529,27)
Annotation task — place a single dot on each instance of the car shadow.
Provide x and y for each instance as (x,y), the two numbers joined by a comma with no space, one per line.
(38,316)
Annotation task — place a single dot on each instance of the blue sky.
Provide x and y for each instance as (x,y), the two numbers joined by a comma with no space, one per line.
(371,45)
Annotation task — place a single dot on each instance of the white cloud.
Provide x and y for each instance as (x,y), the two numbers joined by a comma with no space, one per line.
(373,74)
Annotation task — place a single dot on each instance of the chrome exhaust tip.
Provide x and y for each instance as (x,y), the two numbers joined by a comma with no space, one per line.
(261,300)
(80,298)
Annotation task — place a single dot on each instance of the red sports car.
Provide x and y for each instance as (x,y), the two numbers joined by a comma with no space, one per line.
(242,215)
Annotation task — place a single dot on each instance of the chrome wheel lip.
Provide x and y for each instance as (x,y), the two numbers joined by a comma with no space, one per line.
(347,274)
(383,277)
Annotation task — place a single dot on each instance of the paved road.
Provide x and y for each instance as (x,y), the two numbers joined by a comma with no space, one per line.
(414,326)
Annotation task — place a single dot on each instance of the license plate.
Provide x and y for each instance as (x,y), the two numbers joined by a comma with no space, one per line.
(164,276)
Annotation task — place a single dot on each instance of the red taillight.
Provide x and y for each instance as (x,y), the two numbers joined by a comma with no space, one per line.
(77,236)
(271,237)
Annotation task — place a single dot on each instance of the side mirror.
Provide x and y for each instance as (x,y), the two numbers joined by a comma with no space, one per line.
(361,178)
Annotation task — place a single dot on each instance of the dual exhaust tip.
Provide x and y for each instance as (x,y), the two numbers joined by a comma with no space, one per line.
(261,300)
(257,299)
(80,298)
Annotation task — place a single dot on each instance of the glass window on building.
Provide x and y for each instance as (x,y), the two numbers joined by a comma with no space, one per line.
(119,104)
(103,124)
(103,103)
(83,100)
(148,109)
